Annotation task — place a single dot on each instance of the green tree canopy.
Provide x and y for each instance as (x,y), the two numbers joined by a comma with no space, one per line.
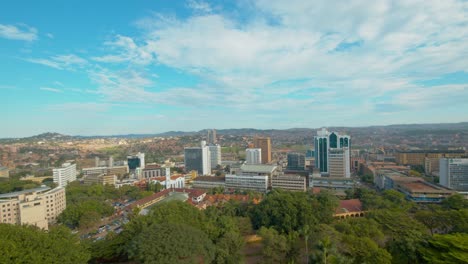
(27,244)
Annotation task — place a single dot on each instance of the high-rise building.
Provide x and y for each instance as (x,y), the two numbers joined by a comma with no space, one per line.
(296,161)
(253,156)
(326,141)
(211,136)
(454,173)
(215,155)
(337,163)
(198,159)
(67,173)
(264,143)
(136,161)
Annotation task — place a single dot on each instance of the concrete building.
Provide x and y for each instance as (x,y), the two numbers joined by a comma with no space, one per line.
(39,206)
(247,182)
(215,155)
(4,172)
(289,182)
(152,170)
(198,158)
(117,170)
(337,163)
(100,179)
(415,189)
(337,184)
(211,137)
(67,173)
(208,182)
(324,143)
(264,143)
(253,156)
(417,157)
(454,174)
(296,161)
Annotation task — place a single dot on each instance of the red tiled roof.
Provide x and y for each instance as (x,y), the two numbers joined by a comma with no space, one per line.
(349,206)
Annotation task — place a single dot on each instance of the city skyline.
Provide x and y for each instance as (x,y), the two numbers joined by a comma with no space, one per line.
(110,68)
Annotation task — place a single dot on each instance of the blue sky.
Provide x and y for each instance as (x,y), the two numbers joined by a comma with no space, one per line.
(118,67)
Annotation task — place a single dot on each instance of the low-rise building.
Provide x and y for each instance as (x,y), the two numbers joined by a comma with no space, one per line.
(208,182)
(100,179)
(39,206)
(349,208)
(117,170)
(151,171)
(339,183)
(421,191)
(289,182)
(257,183)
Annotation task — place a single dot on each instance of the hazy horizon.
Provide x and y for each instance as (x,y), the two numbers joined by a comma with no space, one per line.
(110,68)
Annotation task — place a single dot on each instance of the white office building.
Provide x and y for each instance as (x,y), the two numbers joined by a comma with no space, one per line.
(257,183)
(65,174)
(253,156)
(215,155)
(454,173)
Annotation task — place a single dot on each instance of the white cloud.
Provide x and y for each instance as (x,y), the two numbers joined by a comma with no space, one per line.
(199,6)
(49,89)
(79,107)
(21,32)
(50,35)
(363,56)
(61,62)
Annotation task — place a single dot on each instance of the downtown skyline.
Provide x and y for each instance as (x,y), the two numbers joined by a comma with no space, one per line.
(109,68)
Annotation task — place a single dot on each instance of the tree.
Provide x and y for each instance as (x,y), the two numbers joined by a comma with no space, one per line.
(452,248)
(275,245)
(27,244)
(172,243)
(456,202)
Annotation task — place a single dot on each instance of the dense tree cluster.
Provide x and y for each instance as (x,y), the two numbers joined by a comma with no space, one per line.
(27,244)
(86,205)
(290,227)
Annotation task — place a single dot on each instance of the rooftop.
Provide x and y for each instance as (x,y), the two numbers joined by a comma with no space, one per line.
(349,206)
(15,194)
(210,179)
(260,168)
(422,186)
(431,151)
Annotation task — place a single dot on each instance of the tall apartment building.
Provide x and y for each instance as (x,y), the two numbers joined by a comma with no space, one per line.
(296,161)
(253,156)
(211,136)
(65,174)
(324,143)
(264,143)
(39,206)
(215,155)
(198,159)
(454,173)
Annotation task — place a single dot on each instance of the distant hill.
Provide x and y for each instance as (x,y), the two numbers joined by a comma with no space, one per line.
(309,132)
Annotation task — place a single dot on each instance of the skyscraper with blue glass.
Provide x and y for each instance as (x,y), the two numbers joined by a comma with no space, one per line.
(326,141)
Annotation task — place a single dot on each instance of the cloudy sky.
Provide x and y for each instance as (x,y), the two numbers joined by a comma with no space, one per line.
(115,67)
